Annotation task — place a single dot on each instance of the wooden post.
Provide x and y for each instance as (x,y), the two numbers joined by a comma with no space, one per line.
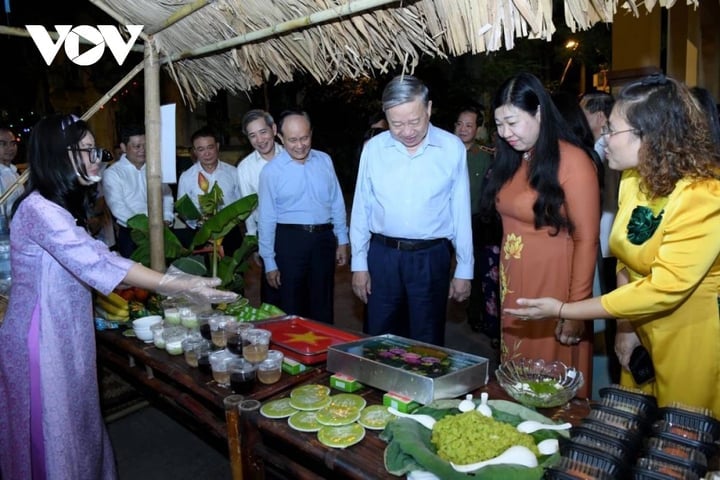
(232,419)
(152,152)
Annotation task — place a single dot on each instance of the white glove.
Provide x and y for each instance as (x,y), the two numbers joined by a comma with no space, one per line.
(176,283)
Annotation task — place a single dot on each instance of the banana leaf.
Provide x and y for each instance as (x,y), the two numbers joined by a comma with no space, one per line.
(210,201)
(232,268)
(225,220)
(410,449)
(140,233)
(193,265)
(187,209)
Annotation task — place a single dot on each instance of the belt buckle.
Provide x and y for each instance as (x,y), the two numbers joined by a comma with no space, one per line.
(310,228)
(404,245)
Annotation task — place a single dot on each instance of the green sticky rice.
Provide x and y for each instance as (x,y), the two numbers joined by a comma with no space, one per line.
(471,437)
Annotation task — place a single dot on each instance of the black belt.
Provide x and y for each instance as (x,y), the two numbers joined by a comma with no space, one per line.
(321,227)
(405,244)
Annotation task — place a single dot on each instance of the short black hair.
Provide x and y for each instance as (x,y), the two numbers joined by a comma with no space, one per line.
(475,108)
(597,102)
(205,131)
(4,127)
(128,131)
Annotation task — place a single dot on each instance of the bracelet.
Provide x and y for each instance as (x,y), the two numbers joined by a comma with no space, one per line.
(560,312)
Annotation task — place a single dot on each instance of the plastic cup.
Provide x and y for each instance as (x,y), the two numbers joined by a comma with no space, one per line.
(234,335)
(191,348)
(217,330)
(203,322)
(157,332)
(242,375)
(174,335)
(256,343)
(188,317)
(219,364)
(270,370)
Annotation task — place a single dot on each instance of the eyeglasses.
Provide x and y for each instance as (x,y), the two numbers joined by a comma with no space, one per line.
(11,143)
(97,154)
(605,130)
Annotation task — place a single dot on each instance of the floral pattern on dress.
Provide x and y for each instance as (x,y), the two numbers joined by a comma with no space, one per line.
(512,249)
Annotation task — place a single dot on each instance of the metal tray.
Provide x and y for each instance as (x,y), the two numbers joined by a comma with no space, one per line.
(462,373)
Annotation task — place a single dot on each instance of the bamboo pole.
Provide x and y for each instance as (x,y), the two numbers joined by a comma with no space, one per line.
(322,16)
(179,14)
(153,169)
(23,178)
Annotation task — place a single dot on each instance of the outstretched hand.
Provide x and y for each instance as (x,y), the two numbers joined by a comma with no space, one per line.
(176,283)
(536,308)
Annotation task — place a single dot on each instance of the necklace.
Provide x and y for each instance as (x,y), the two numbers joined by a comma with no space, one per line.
(526,156)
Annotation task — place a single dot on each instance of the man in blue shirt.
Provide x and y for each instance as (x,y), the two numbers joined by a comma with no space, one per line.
(412,201)
(302,229)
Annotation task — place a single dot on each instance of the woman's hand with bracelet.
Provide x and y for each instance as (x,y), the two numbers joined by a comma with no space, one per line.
(536,308)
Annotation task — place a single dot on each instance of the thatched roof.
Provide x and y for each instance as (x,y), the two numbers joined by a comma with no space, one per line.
(240,44)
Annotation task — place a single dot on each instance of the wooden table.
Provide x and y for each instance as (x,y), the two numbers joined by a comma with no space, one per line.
(258,447)
(189,395)
(272,449)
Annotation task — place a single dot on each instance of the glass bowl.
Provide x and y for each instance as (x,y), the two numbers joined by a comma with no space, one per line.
(537,383)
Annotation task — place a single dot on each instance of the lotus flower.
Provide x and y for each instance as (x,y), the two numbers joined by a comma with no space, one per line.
(203,183)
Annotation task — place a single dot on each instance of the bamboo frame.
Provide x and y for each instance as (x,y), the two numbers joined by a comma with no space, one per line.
(305,21)
(152,164)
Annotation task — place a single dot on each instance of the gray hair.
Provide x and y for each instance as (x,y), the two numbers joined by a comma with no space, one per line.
(256,114)
(404,89)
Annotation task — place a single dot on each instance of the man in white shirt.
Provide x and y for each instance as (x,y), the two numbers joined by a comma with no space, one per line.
(125,187)
(206,150)
(8,171)
(206,147)
(260,129)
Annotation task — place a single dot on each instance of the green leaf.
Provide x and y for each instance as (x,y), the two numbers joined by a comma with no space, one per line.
(231,268)
(140,234)
(409,446)
(225,220)
(187,209)
(211,201)
(192,265)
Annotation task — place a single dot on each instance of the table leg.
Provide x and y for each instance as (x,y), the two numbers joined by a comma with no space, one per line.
(232,418)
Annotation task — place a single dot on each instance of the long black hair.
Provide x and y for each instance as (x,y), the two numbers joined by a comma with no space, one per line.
(53,173)
(525,92)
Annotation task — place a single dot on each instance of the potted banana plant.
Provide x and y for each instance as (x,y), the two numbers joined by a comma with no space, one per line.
(214,224)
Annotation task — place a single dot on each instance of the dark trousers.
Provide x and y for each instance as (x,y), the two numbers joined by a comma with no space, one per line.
(409,292)
(306,261)
(125,245)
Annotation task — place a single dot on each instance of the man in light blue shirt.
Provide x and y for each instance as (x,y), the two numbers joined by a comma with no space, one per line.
(302,229)
(412,201)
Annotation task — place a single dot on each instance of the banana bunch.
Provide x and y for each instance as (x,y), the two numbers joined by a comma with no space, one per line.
(112,307)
